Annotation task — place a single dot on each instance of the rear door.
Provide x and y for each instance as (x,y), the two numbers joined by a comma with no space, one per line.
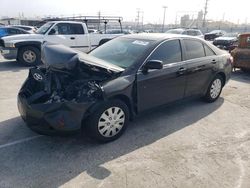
(157,87)
(82,39)
(200,61)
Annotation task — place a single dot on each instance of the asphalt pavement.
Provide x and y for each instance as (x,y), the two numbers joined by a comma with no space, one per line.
(188,144)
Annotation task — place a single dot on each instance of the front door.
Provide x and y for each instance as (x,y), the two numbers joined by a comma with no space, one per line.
(61,33)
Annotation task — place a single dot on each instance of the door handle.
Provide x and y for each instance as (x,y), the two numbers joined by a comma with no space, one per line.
(213,61)
(181,70)
(72,38)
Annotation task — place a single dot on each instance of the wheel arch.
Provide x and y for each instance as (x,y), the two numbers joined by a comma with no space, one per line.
(125,99)
(34,44)
(223,75)
(120,97)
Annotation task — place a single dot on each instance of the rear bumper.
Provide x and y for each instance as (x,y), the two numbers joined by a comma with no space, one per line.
(9,53)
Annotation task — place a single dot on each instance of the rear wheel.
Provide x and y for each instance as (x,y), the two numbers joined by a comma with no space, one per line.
(214,89)
(109,121)
(29,55)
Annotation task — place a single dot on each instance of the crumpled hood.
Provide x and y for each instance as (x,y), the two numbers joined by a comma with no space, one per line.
(23,37)
(61,57)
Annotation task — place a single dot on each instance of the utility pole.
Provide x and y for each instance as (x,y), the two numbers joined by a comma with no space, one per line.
(245,30)
(164,7)
(142,17)
(137,18)
(99,20)
(205,14)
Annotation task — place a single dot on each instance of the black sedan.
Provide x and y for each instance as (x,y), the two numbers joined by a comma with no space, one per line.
(103,90)
(227,41)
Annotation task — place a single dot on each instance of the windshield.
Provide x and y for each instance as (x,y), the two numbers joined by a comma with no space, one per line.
(122,52)
(42,30)
(175,31)
(230,35)
(217,31)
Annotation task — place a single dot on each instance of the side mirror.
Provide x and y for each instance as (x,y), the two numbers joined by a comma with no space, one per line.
(153,64)
(52,31)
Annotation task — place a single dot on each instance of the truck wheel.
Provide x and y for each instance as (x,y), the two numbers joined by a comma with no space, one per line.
(103,41)
(108,122)
(29,55)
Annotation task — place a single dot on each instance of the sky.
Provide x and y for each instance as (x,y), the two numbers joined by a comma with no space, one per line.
(234,11)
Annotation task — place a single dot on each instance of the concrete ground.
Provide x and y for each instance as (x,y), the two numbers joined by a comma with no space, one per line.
(190,144)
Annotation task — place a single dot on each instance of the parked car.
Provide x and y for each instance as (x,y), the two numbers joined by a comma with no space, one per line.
(241,54)
(227,41)
(29,29)
(214,34)
(101,91)
(93,31)
(117,31)
(27,48)
(190,32)
(7,31)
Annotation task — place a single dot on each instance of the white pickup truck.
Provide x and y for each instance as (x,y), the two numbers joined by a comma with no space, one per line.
(27,48)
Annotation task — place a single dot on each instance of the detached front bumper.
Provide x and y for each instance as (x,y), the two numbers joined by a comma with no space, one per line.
(9,53)
(53,117)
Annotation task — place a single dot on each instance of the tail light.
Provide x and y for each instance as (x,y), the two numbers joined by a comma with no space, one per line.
(231,60)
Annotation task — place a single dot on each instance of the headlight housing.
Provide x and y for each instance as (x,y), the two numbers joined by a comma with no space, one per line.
(10,45)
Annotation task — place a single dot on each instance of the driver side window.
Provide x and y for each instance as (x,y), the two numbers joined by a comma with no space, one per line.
(62,29)
(168,52)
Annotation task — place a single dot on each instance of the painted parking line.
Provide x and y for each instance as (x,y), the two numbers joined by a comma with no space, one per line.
(20,141)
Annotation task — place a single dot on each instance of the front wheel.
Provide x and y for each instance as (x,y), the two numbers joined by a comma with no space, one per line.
(109,121)
(29,55)
(214,89)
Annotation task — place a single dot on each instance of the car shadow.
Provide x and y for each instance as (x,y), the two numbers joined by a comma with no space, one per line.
(53,161)
(14,66)
(241,76)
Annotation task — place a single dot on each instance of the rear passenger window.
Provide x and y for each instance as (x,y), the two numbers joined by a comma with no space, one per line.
(194,49)
(168,52)
(191,33)
(76,29)
(208,51)
(13,31)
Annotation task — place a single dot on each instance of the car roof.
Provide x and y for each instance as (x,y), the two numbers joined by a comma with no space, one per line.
(22,26)
(10,27)
(157,36)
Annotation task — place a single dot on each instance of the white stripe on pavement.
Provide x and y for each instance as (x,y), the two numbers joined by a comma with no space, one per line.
(20,141)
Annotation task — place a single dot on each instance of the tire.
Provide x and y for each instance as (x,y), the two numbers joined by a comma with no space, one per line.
(103,41)
(105,127)
(214,89)
(29,55)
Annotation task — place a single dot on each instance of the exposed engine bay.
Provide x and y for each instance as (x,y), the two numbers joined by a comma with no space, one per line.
(50,85)
(65,79)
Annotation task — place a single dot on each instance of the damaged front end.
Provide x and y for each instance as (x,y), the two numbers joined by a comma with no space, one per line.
(57,95)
